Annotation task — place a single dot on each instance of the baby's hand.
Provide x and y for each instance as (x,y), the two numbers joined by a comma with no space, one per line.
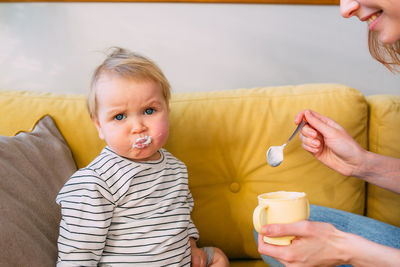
(198,256)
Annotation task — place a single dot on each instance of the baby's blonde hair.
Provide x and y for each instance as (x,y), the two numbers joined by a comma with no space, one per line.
(126,64)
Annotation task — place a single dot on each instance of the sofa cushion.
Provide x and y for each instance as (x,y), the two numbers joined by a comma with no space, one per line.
(33,167)
(384,138)
(223,138)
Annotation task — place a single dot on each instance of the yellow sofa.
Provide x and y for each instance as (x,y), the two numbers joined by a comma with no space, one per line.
(222,137)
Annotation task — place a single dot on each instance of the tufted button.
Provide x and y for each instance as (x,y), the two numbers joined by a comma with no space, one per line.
(235,187)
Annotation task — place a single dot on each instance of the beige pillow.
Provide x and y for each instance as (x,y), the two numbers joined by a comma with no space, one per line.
(33,167)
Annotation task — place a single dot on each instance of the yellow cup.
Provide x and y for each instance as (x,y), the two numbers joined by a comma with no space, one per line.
(280,207)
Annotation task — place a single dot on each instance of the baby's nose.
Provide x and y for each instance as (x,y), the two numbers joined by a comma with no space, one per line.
(138,126)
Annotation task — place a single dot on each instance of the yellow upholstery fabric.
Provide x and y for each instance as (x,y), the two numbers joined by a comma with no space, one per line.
(222,137)
(384,138)
(21,110)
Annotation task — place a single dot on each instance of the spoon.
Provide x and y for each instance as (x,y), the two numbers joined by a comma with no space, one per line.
(275,153)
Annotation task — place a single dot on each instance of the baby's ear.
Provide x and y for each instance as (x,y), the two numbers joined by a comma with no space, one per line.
(98,127)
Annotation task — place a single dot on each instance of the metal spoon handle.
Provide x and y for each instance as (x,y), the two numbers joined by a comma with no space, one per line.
(301,124)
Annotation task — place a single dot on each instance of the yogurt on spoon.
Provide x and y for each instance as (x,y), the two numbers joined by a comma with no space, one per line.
(275,153)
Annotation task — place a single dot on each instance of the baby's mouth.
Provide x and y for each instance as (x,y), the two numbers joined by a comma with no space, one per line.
(142,142)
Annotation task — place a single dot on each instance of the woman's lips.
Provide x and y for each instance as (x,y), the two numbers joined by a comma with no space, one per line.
(372,20)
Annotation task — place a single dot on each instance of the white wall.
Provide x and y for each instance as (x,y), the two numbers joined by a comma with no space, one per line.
(201,47)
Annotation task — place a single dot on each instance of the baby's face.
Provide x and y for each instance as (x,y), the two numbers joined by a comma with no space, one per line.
(132,117)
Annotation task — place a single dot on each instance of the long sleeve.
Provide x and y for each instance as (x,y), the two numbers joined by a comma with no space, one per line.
(192,229)
(87,210)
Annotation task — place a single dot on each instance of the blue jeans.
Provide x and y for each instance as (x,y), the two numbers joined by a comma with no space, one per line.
(368,228)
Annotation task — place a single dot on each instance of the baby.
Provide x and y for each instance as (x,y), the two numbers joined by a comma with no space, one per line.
(131,205)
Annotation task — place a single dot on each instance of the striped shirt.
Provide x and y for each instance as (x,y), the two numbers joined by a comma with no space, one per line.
(120,212)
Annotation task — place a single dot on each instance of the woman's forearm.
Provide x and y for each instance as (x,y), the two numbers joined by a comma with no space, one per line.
(362,252)
(380,170)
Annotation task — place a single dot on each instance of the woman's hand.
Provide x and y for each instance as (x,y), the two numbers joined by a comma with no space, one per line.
(330,143)
(321,244)
(316,244)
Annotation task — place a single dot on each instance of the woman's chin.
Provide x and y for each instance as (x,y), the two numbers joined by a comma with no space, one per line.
(388,39)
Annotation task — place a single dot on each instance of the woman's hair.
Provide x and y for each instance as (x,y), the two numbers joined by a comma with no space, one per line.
(387,54)
(126,64)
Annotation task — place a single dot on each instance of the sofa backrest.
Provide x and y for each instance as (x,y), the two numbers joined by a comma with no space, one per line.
(384,138)
(223,138)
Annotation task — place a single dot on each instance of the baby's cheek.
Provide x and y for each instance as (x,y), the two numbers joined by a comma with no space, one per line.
(161,134)
(163,137)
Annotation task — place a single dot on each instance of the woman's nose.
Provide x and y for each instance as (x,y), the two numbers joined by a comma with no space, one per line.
(348,8)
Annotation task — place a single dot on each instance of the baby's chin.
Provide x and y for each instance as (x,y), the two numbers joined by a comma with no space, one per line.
(143,155)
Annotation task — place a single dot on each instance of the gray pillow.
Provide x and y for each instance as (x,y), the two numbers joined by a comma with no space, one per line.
(33,168)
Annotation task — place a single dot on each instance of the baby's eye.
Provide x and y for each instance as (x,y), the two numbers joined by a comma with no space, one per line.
(149,111)
(119,117)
